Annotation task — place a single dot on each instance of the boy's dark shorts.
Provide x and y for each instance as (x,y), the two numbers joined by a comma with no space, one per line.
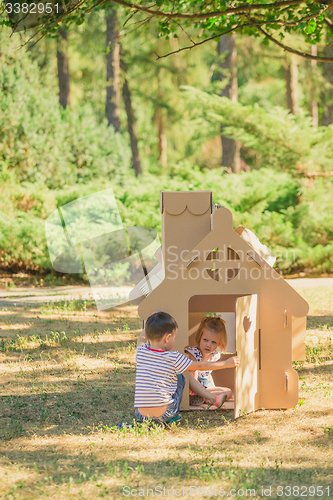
(173,408)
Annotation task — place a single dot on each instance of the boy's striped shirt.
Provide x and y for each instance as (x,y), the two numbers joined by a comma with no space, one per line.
(156,375)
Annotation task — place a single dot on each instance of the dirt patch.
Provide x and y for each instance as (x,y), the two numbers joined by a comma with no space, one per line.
(9,280)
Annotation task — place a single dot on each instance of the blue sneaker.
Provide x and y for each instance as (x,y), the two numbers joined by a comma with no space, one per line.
(177,418)
(125,425)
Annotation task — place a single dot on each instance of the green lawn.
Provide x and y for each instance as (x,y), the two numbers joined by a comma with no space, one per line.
(67,379)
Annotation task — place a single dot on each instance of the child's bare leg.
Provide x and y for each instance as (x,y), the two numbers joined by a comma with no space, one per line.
(199,389)
(220,390)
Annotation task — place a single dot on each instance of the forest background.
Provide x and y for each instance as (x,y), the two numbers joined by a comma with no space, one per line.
(163,129)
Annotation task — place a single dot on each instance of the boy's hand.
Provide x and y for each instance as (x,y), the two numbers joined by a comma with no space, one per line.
(142,339)
(231,362)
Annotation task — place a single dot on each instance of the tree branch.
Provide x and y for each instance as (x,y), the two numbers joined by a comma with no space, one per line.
(329,24)
(180,26)
(189,47)
(286,23)
(96,5)
(130,17)
(305,55)
(57,21)
(308,17)
(208,15)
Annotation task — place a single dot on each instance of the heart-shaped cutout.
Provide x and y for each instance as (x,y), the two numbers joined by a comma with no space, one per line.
(247,323)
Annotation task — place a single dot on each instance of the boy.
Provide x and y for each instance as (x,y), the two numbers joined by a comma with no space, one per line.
(160,381)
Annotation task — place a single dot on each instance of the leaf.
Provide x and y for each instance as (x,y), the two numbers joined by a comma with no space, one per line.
(311,26)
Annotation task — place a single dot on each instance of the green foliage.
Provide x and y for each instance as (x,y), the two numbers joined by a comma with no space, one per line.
(23,241)
(208,19)
(39,142)
(280,139)
(49,157)
(295,221)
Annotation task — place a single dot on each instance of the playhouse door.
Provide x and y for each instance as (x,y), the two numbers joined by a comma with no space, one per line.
(246,347)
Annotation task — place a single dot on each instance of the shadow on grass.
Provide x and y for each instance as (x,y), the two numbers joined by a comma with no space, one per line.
(322,368)
(70,325)
(100,402)
(45,346)
(115,315)
(76,469)
(314,322)
(75,411)
(26,335)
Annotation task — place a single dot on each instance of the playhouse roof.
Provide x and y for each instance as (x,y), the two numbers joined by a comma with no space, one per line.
(268,281)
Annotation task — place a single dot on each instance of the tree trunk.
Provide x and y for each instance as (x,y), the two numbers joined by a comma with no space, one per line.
(328,92)
(162,138)
(131,124)
(228,74)
(63,68)
(112,69)
(314,103)
(291,76)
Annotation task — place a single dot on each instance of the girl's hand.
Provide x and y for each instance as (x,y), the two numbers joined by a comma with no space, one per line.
(231,362)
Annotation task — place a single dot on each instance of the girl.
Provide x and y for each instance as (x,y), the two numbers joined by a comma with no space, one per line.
(211,339)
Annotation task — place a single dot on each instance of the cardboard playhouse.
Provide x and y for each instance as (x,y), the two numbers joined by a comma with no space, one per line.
(207,267)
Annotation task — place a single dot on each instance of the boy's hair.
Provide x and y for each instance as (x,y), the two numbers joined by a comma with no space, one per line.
(158,324)
(216,325)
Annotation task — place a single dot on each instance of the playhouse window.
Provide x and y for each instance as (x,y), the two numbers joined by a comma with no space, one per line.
(216,256)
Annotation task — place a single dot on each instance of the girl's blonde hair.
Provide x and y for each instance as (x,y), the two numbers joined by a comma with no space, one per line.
(216,325)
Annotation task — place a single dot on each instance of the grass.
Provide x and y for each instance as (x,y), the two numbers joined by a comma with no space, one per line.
(68,376)
(67,305)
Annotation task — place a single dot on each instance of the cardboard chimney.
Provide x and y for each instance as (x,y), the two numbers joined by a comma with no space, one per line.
(208,267)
